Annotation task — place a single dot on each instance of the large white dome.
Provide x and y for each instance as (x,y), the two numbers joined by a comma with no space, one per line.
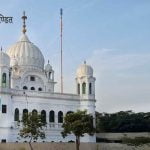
(26,54)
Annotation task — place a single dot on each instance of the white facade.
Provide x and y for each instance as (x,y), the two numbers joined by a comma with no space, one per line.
(26,85)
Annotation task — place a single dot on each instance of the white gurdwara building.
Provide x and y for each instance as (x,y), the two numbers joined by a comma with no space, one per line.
(27,86)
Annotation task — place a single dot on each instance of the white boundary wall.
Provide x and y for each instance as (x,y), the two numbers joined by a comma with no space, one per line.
(71,146)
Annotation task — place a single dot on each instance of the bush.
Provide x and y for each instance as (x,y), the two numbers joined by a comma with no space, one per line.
(137,141)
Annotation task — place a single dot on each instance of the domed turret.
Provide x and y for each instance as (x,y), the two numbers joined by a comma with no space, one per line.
(4,69)
(85,88)
(26,54)
(49,72)
(85,82)
(4,59)
(84,70)
(48,67)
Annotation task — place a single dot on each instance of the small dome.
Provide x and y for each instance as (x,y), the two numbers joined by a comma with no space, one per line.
(84,70)
(4,59)
(48,67)
(26,54)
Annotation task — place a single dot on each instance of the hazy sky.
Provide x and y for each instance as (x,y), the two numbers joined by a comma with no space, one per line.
(113,36)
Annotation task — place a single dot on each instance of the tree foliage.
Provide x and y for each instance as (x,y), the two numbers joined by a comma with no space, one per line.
(78,123)
(137,141)
(123,121)
(32,127)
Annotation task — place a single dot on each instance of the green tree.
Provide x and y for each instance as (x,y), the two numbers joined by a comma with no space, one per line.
(123,121)
(78,123)
(32,127)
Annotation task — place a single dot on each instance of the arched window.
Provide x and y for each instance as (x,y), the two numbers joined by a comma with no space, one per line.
(90,88)
(4,80)
(32,78)
(39,89)
(16,116)
(83,88)
(43,116)
(25,113)
(34,112)
(25,87)
(49,76)
(78,88)
(60,117)
(32,88)
(51,116)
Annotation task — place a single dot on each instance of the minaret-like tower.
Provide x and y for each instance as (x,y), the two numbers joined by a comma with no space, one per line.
(85,83)
(5,97)
(49,72)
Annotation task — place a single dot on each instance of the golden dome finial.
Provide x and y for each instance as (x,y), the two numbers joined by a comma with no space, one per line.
(24,17)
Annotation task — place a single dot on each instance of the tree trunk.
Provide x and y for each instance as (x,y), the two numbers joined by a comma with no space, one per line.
(30,144)
(77,142)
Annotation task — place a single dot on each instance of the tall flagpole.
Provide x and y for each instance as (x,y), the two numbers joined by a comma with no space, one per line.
(61,31)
